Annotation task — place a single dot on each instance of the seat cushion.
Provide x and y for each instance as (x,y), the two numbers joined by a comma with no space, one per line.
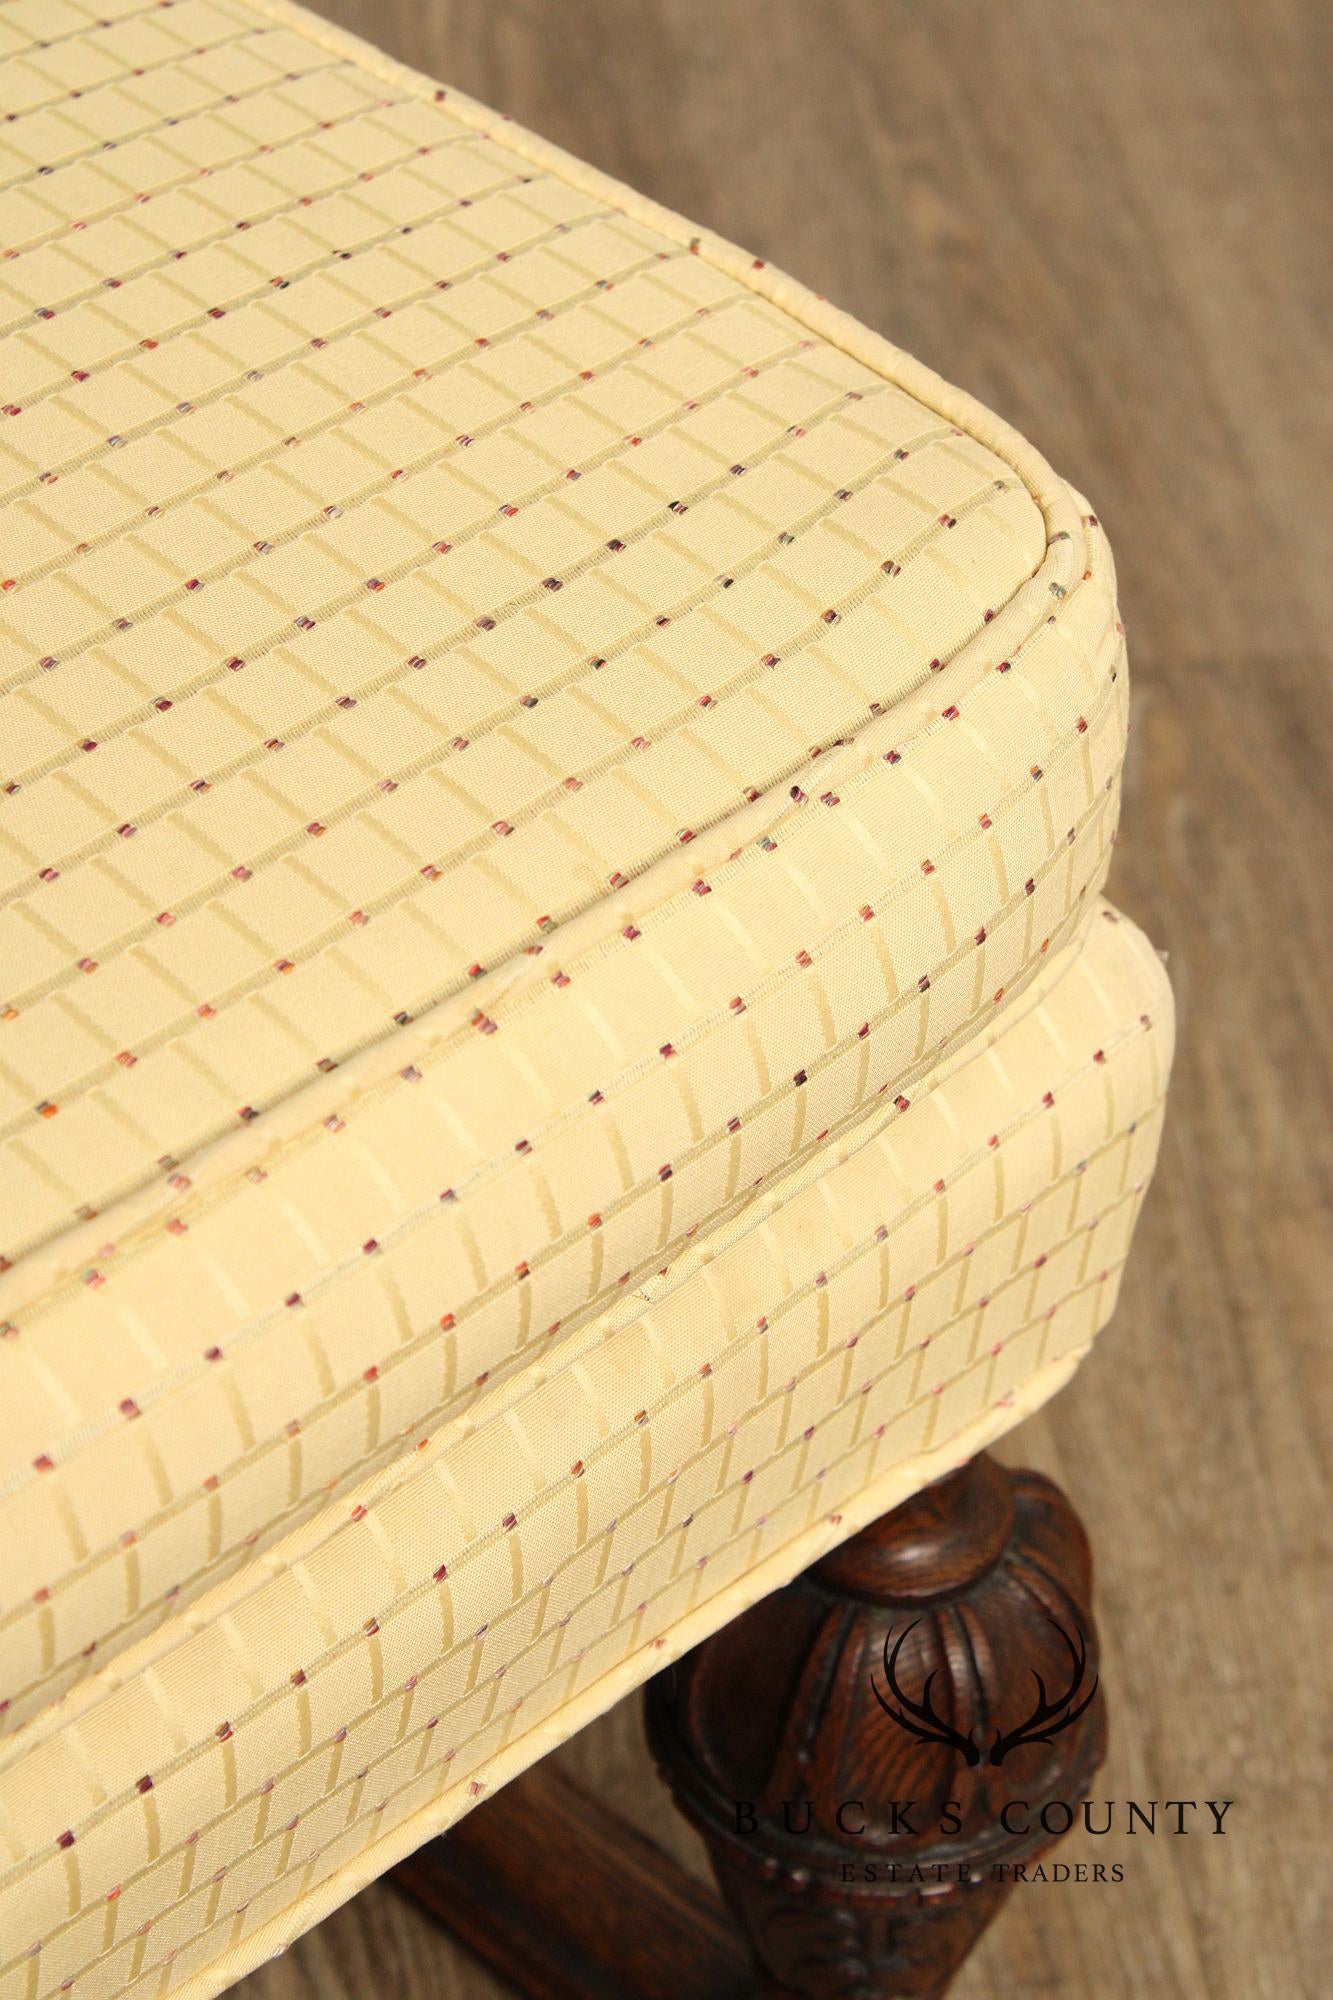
(512,735)
(448,558)
(532,750)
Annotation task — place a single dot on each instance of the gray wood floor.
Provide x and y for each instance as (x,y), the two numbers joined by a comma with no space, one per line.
(1110,221)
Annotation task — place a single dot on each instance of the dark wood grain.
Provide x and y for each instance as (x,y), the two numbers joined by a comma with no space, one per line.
(853,1747)
(567,1900)
(1110,221)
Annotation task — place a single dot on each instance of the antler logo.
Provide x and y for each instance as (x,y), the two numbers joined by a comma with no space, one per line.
(1048,1718)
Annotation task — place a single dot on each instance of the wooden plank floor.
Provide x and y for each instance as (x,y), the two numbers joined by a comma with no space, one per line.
(1110,221)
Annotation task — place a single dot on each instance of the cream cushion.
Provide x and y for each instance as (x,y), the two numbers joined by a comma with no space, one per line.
(561,1048)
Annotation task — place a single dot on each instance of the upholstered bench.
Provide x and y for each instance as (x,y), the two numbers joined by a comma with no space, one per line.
(562,1053)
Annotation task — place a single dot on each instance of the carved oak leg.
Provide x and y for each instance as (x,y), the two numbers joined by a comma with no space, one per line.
(869,1751)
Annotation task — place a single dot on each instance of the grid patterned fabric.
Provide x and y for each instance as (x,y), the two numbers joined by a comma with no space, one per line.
(872,1318)
(549,782)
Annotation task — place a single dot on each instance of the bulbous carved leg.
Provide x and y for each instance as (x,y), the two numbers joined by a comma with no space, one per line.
(869,1751)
